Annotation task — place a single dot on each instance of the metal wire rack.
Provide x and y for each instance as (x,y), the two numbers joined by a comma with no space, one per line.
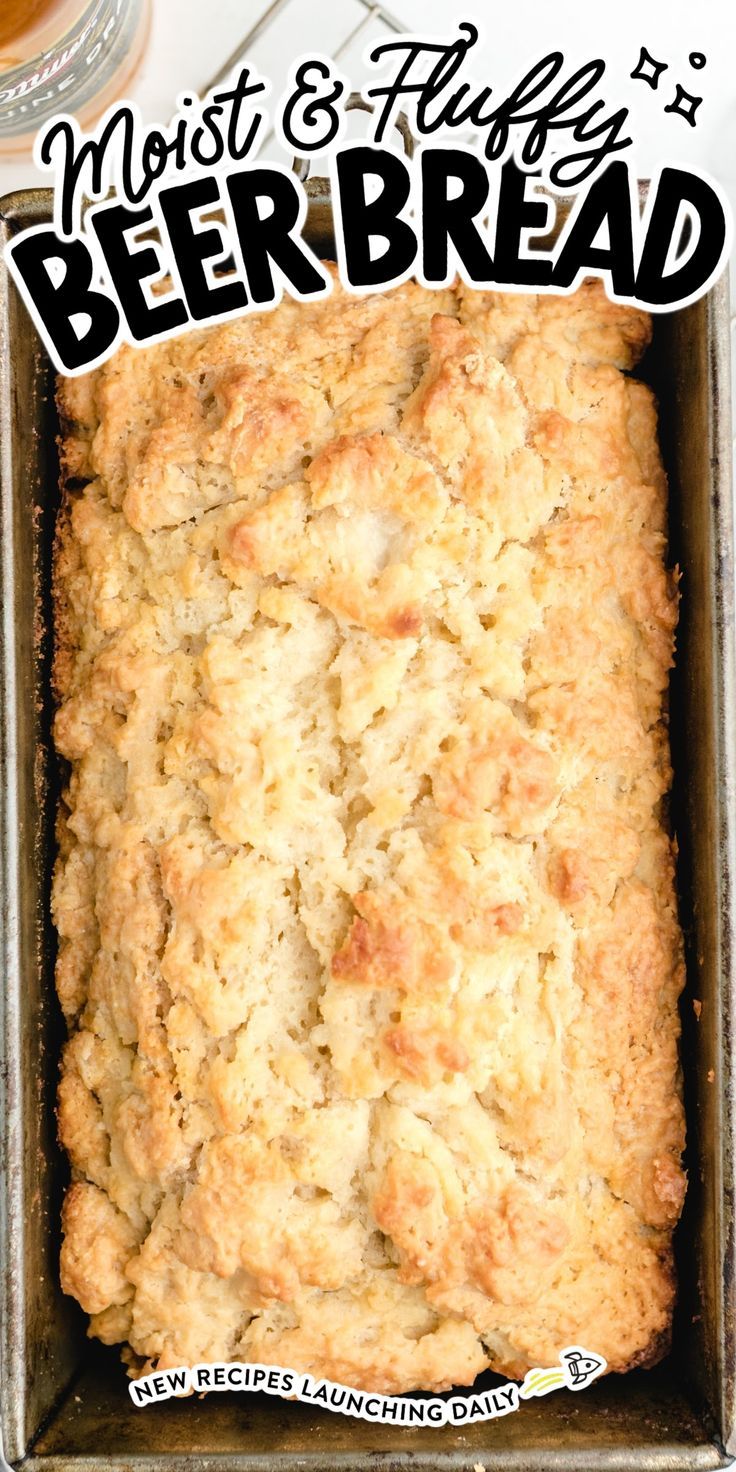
(373,13)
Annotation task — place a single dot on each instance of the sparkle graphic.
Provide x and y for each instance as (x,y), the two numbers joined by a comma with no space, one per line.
(685,105)
(697,60)
(648,70)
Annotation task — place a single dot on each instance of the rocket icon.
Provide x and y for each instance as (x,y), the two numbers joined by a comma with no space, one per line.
(581,1367)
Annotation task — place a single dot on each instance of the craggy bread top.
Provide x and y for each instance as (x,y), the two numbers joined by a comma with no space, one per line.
(369,948)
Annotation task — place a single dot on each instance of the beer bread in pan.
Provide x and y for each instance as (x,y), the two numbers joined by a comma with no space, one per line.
(368,937)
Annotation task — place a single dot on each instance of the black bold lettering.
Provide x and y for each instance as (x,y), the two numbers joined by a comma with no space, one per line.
(129,268)
(677,187)
(193,247)
(58,303)
(209,125)
(142,1391)
(379,219)
(93,151)
(515,214)
(607,202)
(446,220)
(273,237)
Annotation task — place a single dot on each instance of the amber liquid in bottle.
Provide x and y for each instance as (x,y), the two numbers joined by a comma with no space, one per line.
(28,26)
(73,56)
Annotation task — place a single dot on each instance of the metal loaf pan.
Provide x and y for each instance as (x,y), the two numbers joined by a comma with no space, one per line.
(64,1399)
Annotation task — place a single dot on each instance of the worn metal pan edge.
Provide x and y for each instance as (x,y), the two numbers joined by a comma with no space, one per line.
(64,1404)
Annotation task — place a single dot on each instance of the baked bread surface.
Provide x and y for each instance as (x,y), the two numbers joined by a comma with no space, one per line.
(368,941)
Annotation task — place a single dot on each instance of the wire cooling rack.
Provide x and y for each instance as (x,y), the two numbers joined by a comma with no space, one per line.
(372,15)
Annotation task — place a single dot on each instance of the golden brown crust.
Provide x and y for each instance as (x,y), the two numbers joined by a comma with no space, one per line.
(368,940)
